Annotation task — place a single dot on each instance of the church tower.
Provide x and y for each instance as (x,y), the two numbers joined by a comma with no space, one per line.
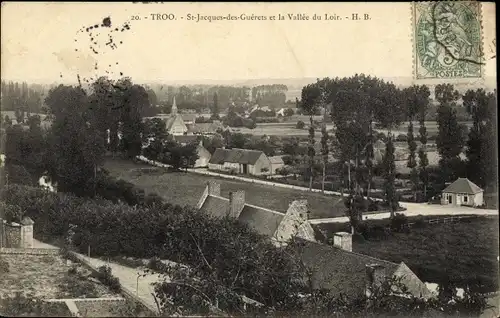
(173,112)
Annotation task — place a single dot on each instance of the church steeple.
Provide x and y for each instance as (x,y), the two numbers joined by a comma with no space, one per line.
(173,112)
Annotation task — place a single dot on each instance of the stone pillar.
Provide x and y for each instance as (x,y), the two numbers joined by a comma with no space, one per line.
(27,233)
(213,188)
(343,240)
(236,203)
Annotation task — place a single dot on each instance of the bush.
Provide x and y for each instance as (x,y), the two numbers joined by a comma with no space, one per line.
(106,277)
(399,222)
(17,175)
(358,238)
(10,213)
(300,125)
(381,136)
(250,124)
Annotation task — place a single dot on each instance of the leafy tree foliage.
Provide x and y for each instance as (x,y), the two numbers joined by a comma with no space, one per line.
(481,106)
(389,167)
(450,139)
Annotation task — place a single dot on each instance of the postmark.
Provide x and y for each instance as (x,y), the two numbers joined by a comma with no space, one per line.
(447,41)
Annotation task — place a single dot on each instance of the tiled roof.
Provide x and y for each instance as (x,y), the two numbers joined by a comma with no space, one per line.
(204,127)
(463,185)
(264,221)
(219,156)
(188,117)
(338,270)
(184,139)
(215,206)
(243,156)
(235,155)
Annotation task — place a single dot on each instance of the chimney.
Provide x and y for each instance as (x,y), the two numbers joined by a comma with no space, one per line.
(236,203)
(213,188)
(375,276)
(343,240)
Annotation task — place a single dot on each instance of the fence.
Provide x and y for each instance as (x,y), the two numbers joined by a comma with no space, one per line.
(450,219)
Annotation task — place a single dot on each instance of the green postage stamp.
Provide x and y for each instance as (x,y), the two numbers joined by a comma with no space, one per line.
(447,40)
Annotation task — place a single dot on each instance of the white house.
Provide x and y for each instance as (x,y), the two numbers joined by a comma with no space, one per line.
(462,192)
(243,161)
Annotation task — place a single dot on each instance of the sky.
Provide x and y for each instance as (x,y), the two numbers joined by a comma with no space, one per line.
(41,42)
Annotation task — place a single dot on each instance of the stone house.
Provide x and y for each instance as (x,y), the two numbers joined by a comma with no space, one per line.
(462,192)
(277,225)
(243,161)
(336,268)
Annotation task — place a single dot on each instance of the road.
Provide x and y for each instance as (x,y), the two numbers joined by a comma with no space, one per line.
(415,209)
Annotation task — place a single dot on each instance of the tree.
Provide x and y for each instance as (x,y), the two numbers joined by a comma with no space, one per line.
(311,99)
(212,143)
(215,108)
(450,139)
(389,176)
(300,125)
(236,140)
(76,147)
(288,112)
(325,143)
(421,100)
(477,105)
(135,100)
(154,137)
(7,121)
(413,103)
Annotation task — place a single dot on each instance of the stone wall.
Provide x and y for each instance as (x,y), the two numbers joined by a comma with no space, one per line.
(12,235)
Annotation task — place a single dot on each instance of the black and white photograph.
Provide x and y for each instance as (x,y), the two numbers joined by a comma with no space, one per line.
(249,159)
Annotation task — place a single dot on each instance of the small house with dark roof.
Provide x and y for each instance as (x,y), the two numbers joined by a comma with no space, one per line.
(277,225)
(462,192)
(242,161)
(338,269)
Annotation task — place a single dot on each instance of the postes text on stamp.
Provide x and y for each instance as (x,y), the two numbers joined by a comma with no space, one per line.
(447,40)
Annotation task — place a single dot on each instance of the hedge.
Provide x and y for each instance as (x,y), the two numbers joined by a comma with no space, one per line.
(176,233)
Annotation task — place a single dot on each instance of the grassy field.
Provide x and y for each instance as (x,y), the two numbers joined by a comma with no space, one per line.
(186,189)
(464,251)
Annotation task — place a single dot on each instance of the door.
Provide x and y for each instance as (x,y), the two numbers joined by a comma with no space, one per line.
(245,169)
(450,199)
